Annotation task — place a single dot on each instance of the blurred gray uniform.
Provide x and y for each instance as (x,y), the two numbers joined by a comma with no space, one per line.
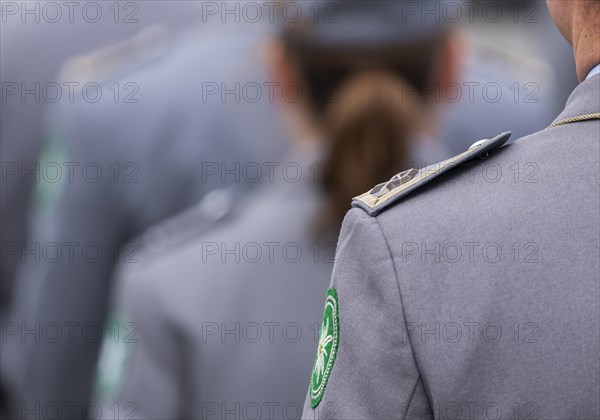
(519,70)
(159,144)
(34,45)
(470,290)
(223,323)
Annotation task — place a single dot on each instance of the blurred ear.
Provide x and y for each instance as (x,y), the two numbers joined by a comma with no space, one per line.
(283,70)
(450,69)
(280,67)
(452,58)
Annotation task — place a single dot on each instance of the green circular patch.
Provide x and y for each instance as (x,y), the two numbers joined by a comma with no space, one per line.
(326,350)
(114,360)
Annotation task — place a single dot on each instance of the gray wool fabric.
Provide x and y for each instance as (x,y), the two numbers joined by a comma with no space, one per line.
(226,322)
(477,295)
(167,138)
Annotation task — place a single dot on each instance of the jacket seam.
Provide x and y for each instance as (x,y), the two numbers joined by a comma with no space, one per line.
(387,245)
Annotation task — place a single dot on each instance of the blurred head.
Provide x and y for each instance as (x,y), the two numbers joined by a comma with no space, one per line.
(366,79)
(579,22)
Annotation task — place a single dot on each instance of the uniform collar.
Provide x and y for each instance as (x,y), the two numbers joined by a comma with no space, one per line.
(584,99)
(593,72)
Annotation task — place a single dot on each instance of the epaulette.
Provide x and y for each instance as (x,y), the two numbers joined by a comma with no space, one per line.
(215,208)
(107,62)
(387,193)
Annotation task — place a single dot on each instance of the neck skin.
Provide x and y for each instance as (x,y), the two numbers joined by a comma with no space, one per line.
(586,46)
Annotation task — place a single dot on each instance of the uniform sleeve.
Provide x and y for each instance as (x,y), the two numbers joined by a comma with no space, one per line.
(139,370)
(374,374)
(65,279)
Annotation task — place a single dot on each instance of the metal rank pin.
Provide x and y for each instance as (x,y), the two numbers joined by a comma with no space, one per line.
(479,144)
(396,181)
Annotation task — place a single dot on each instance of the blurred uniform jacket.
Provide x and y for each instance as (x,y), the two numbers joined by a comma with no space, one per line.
(515,75)
(32,52)
(476,294)
(225,323)
(153,154)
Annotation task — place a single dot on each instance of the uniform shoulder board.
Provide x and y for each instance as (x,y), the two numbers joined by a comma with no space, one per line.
(102,64)
(387,193)
(214,209)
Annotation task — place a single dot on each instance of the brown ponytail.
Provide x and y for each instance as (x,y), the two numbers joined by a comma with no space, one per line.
(369,102)
(367,128)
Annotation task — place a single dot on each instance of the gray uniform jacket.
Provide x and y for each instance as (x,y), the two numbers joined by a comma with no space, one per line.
(153,155)
(225,323)
(476,295)
(32,52)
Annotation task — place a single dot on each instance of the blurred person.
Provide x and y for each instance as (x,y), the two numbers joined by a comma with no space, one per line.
(517,72)
(417,332)
(222,324)
(33,50)
(36,38)
(148,142)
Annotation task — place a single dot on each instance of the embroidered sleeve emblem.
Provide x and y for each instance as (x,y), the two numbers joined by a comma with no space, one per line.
(326,350)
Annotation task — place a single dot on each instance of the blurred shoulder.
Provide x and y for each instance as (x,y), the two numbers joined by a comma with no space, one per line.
(170,246)
(158,62)
(176,244)
(134,91)
(102,65)
(105,93)
(193,243)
